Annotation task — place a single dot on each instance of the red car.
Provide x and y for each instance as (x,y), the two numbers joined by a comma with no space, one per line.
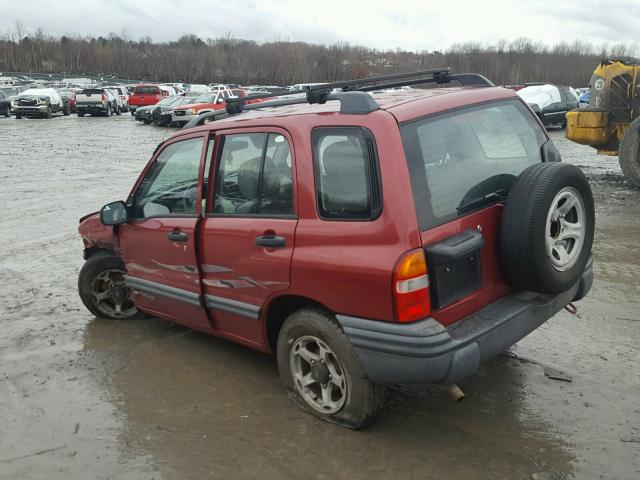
(365,240)
(207,102)
(145,94)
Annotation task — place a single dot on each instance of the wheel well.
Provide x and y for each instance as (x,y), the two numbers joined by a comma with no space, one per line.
(91,251)
(279,311)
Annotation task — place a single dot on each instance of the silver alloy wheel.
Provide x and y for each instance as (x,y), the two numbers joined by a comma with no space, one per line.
(318,375)
(566,227)
(111,296)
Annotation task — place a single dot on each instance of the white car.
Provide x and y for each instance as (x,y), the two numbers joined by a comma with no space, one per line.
(123,93)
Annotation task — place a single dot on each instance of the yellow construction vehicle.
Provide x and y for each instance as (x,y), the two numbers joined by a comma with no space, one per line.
(611,122)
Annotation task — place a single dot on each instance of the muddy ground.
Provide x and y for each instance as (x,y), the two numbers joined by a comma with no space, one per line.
(84,398)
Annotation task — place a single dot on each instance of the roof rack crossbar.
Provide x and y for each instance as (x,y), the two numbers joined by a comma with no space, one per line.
(354,99)
(346,84)
(465,79)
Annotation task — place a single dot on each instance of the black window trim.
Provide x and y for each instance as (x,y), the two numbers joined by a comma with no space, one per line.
(216,165)
(423,208)
(375,179)
(156,154)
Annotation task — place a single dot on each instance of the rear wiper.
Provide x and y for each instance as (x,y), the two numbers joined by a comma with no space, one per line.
(487,198)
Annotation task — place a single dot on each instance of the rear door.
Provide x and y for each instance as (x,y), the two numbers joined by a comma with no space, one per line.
(249,229)
(158,244)
(462,165)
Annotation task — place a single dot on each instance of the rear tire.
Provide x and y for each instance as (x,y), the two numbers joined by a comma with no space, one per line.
(547,228)
(102,275)
(7,112)
(18,116)
(49,113)
(629,154)
(66,111)
(80,114)
(322,373)
(107,113)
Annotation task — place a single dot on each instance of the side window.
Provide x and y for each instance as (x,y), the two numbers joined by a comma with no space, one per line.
(170,185)
(254,176)
(346,170)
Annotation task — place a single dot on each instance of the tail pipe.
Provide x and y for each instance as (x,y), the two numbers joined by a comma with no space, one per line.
(456,392)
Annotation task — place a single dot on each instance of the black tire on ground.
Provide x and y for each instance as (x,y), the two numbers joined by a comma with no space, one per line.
(118,111)
(107,112)
(364,399)
(96,264)
(133,112)
(146,122)
(7,112)
(528,231)
(629,153)
(49,113)
(66,111)
(80,114)
(18,116)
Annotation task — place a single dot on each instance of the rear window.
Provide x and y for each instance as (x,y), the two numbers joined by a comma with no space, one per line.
(463,160)
(147,90)
(346,171)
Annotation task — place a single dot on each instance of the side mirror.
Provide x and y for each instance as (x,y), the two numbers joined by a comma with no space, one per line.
(114,213)
(549,152)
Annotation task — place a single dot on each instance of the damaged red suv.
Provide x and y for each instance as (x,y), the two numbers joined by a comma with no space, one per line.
(365,239)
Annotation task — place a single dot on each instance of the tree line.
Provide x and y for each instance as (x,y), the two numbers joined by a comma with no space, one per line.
(226,59)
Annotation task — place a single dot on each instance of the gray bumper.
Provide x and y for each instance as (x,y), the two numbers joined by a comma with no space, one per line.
(427,352)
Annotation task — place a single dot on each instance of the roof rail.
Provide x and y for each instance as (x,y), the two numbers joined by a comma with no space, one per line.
(353,98)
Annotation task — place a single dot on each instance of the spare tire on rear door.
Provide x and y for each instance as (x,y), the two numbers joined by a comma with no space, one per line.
(547,228)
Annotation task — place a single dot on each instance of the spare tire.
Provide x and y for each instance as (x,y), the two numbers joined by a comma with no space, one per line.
(629,153)
(547,228)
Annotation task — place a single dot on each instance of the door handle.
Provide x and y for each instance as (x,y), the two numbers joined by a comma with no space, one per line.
(177,236)
(271,241)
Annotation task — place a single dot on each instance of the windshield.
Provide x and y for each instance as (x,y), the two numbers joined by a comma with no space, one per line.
(464,160)
(168,101)
(206,98)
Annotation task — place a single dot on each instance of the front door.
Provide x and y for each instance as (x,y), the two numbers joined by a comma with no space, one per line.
(158,243)
(248,232)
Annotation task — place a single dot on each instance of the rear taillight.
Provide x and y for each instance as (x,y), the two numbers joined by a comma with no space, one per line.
(104,97)
(411,287)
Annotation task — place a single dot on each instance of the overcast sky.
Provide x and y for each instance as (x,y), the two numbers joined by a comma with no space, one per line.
(411,25)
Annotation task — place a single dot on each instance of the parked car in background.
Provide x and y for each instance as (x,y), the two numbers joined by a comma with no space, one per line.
(120,105)
(97,101)
(39,102)
(69,95)
(585,97)
(161,113)
(123,93)
(302,86)
(550,102)
(145,94)
(207,102)
(5,104)
(168,90)
(196,88)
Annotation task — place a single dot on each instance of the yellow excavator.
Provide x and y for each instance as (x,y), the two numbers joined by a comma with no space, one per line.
(611,122)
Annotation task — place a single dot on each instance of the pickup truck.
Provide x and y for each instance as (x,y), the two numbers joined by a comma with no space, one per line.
(96,101)
(145,94)
(39,102)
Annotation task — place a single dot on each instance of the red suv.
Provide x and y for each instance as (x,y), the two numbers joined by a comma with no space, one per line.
(365,239)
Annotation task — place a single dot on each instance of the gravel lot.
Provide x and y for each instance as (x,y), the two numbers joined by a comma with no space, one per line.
(86,398)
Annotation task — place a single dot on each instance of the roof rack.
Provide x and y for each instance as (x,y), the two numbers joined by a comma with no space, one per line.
(353,97)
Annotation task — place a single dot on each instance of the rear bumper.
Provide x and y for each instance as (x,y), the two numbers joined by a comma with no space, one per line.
(91,108)
(427,352)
